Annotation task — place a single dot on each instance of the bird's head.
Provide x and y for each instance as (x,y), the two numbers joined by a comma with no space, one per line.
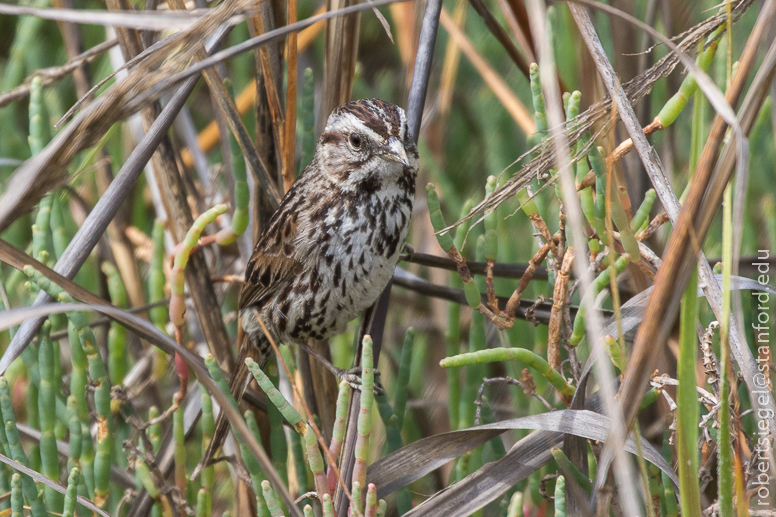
(366,141)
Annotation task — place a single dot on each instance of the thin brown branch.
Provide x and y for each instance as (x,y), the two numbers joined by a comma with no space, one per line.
(533,265)
(501,35)
(621,150)
(556,316)
(55,73)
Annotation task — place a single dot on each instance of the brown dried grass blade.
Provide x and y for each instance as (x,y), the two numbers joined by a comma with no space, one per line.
(501,35)
(450,65)
(384,23)
(403,16)
(494,81)
(289,140)
(339,61)
(209,137)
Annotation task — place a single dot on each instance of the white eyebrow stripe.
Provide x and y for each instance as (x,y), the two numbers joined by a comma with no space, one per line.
(347,122)
(374,118)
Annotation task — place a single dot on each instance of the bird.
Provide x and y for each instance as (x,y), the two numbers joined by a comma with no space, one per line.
(331,246)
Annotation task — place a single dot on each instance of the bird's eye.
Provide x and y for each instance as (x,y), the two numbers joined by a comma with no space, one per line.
(355,140)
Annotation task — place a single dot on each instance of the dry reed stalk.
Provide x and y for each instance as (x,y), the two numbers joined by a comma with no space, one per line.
(271,69)
(339,60)
(289,144)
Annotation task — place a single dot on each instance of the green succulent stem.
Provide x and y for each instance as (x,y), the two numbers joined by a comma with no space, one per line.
(673,108)
(185,248)
(560,497)
(364,423)
(17,496)
(452,336)
(340,420)
(208,424)
(156,282)
(567,467)
(71,494)
(601,282)
(272,502)
(278,400)
(118,363)
(642,214)
(257,475)
(515,508)
(29,489)
(437,219)
(355,499)
(328,507)
(511,354)
(47,393)
(540,110)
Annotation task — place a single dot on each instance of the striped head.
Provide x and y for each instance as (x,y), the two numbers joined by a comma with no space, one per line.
(364,142)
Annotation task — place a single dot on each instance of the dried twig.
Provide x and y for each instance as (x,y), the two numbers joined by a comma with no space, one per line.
(55,73)
(556,317)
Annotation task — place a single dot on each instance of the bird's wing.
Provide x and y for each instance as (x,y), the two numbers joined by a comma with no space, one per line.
(273,263)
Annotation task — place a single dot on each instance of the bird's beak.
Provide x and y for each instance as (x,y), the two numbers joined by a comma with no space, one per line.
(394,150)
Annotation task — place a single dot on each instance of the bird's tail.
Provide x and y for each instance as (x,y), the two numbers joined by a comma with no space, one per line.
(237,386)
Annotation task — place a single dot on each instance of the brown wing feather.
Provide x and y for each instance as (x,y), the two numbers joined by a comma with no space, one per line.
(272,263)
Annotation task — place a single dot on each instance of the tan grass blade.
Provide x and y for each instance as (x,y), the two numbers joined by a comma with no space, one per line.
(339,61)
(450,64)
(517,19)
(510,101)
(271,67)
(208,137)
(289,143)
(403,16)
